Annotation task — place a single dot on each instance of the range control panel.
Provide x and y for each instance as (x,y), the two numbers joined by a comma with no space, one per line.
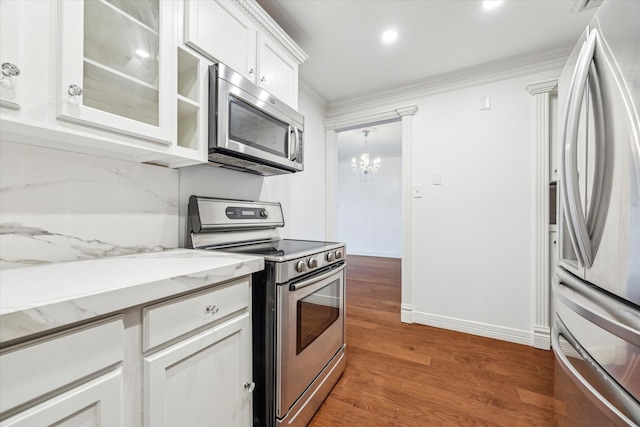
(242,212)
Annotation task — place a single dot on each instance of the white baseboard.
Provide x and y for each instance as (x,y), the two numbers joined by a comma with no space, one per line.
(475,328)
(376,254)
(405,313)
(542,337)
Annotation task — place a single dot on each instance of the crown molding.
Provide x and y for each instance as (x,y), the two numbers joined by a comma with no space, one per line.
(313,96)
(355,120)
(489,72)
(262,19)
(542,87)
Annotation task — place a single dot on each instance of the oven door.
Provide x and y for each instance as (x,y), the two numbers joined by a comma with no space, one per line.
(310,328)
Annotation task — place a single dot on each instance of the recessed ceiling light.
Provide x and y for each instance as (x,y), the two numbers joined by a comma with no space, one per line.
(389,36)
(491,4)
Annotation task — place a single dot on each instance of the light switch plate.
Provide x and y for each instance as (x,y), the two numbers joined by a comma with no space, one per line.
(437,178)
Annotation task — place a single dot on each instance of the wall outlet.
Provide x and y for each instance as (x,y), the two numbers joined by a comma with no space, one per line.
(417,191)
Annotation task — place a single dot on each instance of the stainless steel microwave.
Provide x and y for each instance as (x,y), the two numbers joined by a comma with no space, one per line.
(250,129)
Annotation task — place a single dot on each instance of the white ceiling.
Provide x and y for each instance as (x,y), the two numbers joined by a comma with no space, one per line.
(347,58)
(384,140)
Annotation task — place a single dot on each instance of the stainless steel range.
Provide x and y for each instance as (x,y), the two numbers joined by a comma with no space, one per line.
(298,305)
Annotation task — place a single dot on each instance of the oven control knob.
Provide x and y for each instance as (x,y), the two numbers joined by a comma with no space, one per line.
(339,254)
(301,267)
(312,263)
(331,256)
(264,213)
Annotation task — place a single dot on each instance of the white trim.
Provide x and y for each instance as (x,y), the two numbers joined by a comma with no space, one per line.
(405,313)
(375,254)
(266,24)
(475,328)
(515,66)
(540,222)
(319,101)
(405,114)
(331,180)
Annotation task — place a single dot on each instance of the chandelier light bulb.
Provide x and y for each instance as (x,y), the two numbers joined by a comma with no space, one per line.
(365,167)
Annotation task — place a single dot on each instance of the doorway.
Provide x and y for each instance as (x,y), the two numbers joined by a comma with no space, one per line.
(348,122)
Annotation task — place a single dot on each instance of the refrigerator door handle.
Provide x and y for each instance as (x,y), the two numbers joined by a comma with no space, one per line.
(565,196)
(571,146)
(622,396)
(603,171)
(590,304)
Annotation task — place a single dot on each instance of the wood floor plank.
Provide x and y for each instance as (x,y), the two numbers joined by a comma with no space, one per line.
(413,375)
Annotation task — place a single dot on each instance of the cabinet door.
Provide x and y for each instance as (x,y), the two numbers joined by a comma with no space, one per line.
(222,33)
(116,65)
(11,27)
(204,380)
(278,73)
(96,403)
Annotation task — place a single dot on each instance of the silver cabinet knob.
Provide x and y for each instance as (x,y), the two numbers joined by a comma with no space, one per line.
(331,256)
(10,70)
(249,386)
(263,80)
(75,90)
(212,309)
(312,263)
(301,267)
(251,71)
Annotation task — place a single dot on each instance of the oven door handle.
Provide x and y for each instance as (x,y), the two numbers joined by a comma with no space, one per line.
(315,279)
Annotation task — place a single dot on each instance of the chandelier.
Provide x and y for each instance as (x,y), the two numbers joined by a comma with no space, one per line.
(365,167)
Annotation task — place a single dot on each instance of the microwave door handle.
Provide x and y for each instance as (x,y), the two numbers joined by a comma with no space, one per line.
(621,395)
(571,158)
(293,152)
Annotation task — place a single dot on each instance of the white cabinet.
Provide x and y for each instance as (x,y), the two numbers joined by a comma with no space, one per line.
(246,39)
(93,404)
(73,378)
(116,66)
(218,30)
(277,71)
(204,380)
(11,28)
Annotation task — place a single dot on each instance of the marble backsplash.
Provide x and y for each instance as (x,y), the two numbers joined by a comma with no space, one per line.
(58,206)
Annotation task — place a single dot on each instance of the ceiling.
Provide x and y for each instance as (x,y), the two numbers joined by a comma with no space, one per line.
(384,140)
(347,58)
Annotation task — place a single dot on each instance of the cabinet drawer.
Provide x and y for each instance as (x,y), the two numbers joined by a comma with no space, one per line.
(169,320)
(32,370)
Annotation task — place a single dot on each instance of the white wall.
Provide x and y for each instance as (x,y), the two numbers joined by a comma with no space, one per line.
(301,194)
(473,241)
(370,213)
(473,234)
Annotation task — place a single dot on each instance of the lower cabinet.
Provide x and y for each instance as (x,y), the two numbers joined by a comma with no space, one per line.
(183,361)
(96,403)
(204,380)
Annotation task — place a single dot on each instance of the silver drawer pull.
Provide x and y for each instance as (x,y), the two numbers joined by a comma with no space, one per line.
(249,386)
(212,309)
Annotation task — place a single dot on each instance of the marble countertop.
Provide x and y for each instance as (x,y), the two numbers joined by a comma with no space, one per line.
(36,299)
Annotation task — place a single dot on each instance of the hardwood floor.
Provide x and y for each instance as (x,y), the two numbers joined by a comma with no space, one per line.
(414,375)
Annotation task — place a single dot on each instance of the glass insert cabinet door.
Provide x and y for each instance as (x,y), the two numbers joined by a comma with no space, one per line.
(115,66)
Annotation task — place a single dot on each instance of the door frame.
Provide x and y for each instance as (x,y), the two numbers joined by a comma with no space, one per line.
(342,123)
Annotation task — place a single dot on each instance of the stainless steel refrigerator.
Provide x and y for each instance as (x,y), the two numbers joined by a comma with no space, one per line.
(596,332)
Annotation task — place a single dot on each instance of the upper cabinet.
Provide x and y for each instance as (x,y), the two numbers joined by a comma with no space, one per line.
(115,66)
(11,28)
(255,46)
(129,78)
